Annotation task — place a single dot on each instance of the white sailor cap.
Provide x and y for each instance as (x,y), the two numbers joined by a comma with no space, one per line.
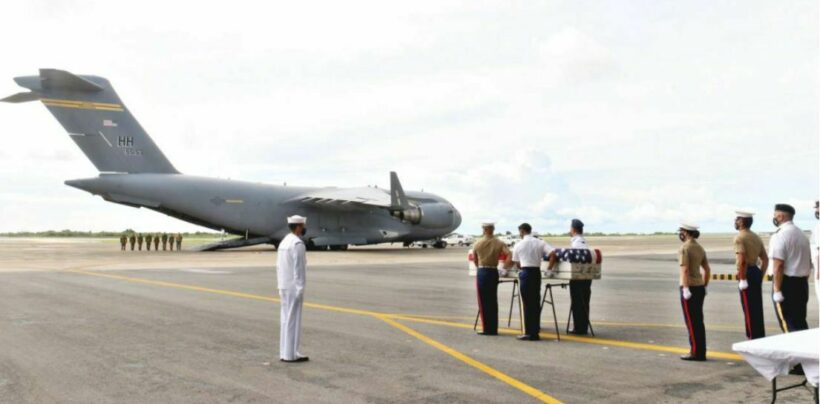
(689,226)
(487,223)
(296,219)
(744,213)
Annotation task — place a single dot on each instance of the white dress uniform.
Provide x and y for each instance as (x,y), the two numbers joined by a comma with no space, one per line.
(529,252)
(791,246)
(290,273)
(578,242)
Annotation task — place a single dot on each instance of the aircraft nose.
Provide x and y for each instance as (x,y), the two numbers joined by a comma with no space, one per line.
(456,218)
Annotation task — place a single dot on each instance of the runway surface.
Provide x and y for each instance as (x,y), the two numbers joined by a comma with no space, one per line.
(381,325)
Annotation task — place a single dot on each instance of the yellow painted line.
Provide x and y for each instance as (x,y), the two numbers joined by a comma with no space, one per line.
(711,327)
(176,285)
(588,340)
(532,391)
(79,102)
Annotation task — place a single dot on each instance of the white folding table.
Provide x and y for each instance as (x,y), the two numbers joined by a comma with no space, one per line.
(774,356)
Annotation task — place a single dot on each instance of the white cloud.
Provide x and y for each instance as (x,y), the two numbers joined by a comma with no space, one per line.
(628,116)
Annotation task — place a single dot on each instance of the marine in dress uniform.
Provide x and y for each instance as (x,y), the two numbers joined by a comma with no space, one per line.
(164,241)
(156,242)
(485,253)
(527,255)
(691,258)
(132,239)
(123,241)
(148,240)
(749,250)
(790,250)
(290,274)
(140,240)
(580,290)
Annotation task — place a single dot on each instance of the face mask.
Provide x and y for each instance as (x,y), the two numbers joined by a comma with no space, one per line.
(775,222)
(304,231)
(737,227)
(682,236)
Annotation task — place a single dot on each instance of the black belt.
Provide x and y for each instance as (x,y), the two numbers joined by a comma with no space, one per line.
(530,268)
(796,277)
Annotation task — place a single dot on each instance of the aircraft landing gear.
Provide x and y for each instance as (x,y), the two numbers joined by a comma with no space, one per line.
(440,244)
(342,247)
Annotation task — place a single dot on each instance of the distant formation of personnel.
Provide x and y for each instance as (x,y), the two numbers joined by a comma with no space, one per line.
(791,254)
(136,241)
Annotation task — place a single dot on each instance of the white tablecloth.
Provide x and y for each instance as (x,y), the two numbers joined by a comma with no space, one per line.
(774,356)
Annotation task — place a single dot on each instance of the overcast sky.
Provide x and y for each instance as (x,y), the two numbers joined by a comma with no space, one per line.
(630,115)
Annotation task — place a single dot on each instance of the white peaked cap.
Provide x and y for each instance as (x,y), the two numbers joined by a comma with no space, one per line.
(744,213)
(688,226)
(296,219)
(487,223)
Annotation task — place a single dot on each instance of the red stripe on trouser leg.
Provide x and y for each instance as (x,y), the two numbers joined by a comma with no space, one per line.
(746,312)
(480,307)
(694,345)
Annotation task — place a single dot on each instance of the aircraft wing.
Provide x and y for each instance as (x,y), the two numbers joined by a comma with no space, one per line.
(346,196)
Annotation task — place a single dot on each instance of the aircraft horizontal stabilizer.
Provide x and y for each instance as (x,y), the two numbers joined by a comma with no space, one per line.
(21,97)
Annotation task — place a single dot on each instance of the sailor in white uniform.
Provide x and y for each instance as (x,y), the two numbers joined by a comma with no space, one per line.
(290,273)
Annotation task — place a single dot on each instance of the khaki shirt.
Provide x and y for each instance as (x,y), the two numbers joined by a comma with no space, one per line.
(487,251)
(749,244)
(692,256)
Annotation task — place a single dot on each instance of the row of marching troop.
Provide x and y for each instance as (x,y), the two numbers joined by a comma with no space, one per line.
(789,260)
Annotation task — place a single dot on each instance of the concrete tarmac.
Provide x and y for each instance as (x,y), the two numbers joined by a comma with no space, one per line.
(92,325)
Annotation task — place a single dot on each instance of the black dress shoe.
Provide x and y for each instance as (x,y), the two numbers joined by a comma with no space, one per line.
(691,357)
(299,359)
(573,332)
(486,333)
(527,338)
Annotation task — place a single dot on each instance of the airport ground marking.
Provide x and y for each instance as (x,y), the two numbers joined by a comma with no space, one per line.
(711,327)
(532,391)
(380,315)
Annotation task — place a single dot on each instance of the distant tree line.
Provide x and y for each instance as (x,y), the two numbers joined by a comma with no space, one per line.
(97,234)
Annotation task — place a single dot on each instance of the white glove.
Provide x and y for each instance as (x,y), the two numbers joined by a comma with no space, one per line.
(550,273)
(686,294)
(743,284)
(502,272)
(778,297)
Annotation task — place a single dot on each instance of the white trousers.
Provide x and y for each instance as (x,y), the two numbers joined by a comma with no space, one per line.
(290,324)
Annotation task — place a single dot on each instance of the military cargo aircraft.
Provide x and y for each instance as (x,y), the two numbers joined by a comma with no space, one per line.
(134,172)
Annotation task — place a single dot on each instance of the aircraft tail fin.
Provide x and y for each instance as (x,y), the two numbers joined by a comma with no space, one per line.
(95,118)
